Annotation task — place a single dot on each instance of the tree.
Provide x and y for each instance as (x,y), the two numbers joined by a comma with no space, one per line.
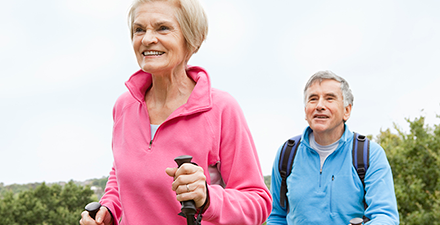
(415,161)
(45,205)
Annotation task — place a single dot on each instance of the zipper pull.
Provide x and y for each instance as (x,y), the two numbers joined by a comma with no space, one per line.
(149,146)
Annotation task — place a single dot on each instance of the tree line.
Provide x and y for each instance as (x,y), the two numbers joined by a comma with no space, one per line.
(414,158)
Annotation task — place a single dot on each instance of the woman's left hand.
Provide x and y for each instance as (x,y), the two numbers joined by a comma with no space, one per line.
(189,183)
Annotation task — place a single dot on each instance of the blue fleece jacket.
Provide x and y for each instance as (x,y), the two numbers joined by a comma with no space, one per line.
(335,194)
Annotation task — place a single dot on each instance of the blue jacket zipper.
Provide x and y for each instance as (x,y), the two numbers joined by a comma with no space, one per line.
(331,193)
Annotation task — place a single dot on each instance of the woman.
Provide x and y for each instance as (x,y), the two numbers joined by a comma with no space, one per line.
(171,110)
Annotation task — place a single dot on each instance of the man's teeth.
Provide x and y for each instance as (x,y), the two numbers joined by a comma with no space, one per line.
(148,53)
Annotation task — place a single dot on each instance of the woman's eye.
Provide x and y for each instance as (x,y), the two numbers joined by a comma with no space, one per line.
(138,30)
(163,28)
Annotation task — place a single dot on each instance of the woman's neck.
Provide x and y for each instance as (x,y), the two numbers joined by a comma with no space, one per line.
(166,88)
(167,93)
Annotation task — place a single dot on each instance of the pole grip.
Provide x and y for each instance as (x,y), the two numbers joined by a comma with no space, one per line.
(183,159)
(93,208)
(188,207)
(356,221)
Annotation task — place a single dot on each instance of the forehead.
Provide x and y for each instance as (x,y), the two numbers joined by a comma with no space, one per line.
(325,86)
(156,10)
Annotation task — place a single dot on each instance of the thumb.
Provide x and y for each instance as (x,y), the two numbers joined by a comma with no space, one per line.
(171,171)
(102,213)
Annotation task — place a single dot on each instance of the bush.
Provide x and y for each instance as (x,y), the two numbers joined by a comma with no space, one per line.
(44,205)
(415,161)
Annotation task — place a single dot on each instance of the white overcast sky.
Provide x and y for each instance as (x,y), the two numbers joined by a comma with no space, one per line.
(63,63)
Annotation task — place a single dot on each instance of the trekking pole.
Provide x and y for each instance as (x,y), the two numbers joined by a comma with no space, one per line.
(188,207)
(356,221)
(93,208)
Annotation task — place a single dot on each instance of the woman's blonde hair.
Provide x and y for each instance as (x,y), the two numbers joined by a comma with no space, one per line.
(189,14)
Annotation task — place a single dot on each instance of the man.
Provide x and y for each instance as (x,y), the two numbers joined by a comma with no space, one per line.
(323,186)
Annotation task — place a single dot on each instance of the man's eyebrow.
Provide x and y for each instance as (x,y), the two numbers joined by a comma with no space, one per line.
(312,95)
(332,94)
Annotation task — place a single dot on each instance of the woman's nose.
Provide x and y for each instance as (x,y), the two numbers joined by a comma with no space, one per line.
(149,38)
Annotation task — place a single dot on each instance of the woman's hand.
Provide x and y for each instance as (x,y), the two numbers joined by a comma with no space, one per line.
(103,217)
(189,183)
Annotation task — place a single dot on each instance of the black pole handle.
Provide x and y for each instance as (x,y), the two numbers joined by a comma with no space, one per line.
(183,159)
(93,208)
(188,207)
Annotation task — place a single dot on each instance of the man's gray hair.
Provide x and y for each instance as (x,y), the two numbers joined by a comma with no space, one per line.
(329,75)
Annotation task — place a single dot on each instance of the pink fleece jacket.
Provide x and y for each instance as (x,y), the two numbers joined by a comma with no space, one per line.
(210,127)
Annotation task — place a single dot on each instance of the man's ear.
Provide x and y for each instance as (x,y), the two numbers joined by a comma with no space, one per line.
(347,113)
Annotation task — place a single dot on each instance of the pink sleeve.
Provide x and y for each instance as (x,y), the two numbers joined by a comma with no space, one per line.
(245,199)
(111,197)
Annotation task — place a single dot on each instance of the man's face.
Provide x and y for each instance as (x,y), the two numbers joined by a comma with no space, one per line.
(325,111)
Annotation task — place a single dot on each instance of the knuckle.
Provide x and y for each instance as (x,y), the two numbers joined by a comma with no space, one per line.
(178,180)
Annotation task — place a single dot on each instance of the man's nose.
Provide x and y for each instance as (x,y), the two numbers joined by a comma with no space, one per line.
(320,105)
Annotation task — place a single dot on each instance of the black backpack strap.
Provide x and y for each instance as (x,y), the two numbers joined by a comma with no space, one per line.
(361,155)
(361,159)
(287,155)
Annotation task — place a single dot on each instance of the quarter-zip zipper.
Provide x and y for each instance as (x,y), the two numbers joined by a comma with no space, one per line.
(157,131)
(331,193)
(167,120)
(320,177)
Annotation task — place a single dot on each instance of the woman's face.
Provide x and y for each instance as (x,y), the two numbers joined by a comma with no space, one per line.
(158,42)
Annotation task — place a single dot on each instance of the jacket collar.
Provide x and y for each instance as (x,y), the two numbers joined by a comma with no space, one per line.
(199,100)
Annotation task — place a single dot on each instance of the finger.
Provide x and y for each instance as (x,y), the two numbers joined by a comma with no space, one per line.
(180,182)
(188,175)
(185,188)
(86,219)
(197,192)
(101,214)
(188,168)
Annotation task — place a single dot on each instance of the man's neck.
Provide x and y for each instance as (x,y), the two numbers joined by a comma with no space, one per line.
(329,137)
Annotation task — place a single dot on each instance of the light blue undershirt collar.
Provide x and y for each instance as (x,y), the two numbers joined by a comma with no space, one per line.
(153,128)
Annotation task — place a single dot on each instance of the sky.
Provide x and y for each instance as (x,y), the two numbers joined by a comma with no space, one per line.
(63,63)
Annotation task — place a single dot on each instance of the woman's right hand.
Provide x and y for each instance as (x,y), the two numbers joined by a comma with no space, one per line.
(103,217)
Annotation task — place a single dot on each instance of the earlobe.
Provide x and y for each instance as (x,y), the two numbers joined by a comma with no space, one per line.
(347,112)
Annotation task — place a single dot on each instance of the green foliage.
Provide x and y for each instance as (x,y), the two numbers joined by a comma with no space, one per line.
(100,182)
(415,161)
(267,180)
(17,188)
(45,205)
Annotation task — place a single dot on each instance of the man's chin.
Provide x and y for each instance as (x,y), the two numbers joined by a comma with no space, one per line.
(319,128)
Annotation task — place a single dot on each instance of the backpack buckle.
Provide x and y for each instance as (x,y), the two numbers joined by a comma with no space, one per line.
(291,143)
(361,137)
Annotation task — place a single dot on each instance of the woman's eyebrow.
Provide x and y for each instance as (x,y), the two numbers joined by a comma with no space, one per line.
(162,22)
